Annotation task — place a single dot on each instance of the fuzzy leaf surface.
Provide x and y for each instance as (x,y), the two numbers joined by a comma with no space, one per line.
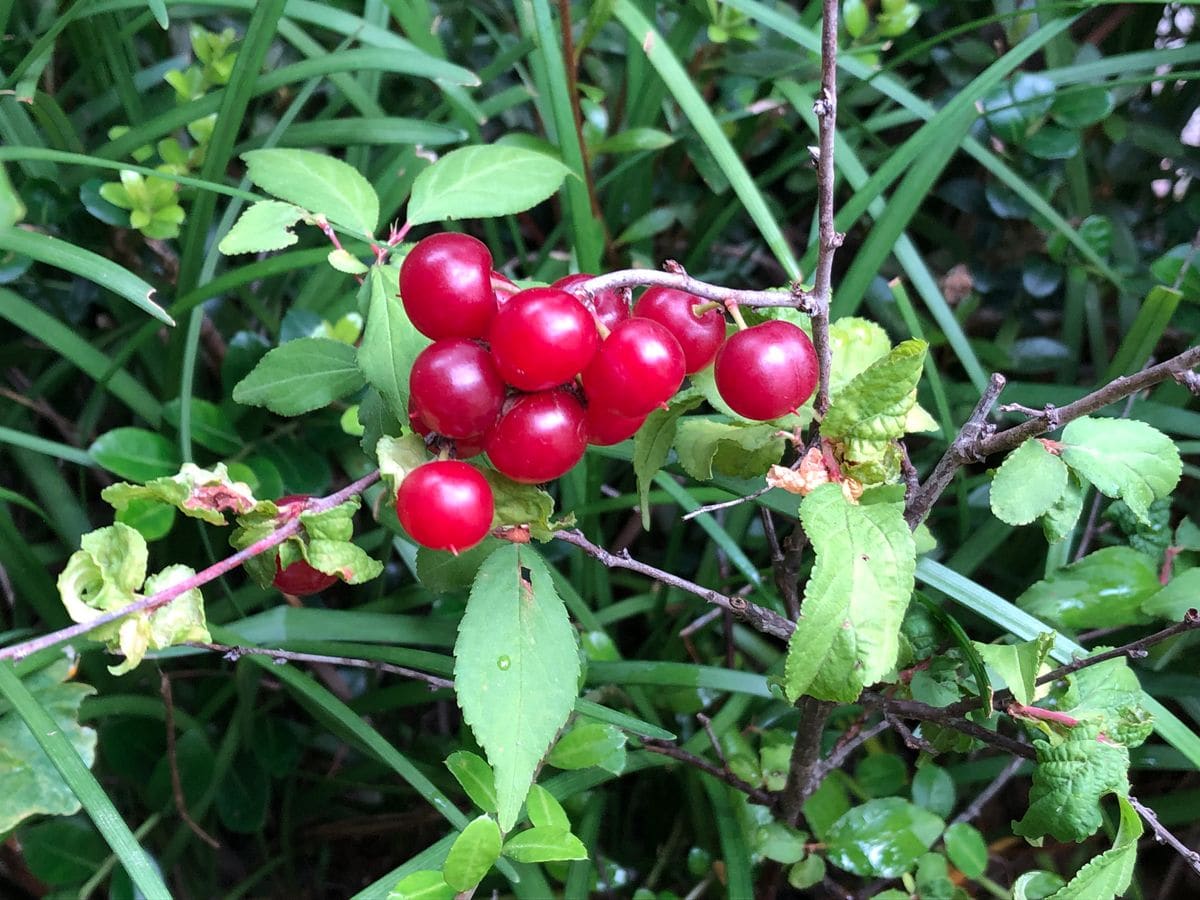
(1123,458)
(1028,483)
(318,183)
(264,226)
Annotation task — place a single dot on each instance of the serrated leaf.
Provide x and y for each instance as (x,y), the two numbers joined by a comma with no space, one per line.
(856,344)
(390,343)
(652,444)
(376,420)
(521,504)
(29,782)
(1123,458)
(882,838)
(1018,665)
(1105,589)
(1068,781)
(104,573)
(442,572)
(741,451)
(426,884)
(211,427)
(1059,520)
(345,559)
(1028,483)
(1176,597)
(300,376)
(876,402)
(472,854)
(516,669)
(544,811)
(541,844)
(586,745)
(1108,875)
(252,527)
(200,493)
(848,635)
(399,456)
(135,453)
(1109,692)
(475,777)
(346,262)
(263,227)
(483,182)
(318,183)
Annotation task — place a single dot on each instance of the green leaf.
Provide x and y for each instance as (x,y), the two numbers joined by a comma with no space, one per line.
(424,884)
(966,848)
(12,210)
(484,182)
(1174,599)
(1123,458)
(476,778)
(1018,665)
(1036,885)
(399,456)
(390,343)
(29,784)
(473,853)
(318,183)
(1081,106)
(521,504)
(1058,523)
(542,844)
(200,493)
(63,851)
(1108,875)
(1068,781)
(243,795)
(586,745)
(634,140)
(854,603)
(882,838)
(300,376)
(104,573)
(516,669)
(652,444)
(211,427)
(346,560)
(264,226)
(545,811)
(741,451)
(933,789)
(1109,692)
(135,453)
(443,572)
(806,873)
(1105,589)
(1029,482)
(856,344)
(778,841)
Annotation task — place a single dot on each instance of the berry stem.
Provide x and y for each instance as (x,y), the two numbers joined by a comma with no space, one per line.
(735,314)
(701,308)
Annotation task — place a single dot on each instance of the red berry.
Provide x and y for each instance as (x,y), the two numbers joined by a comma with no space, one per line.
(610,307)
(446,286)
(606,428)
(540,437)
(456,388)
(299,579)
(445,505)
(766,371)
(416,420)
(503,287)
(541,338)
(639,366)
(700,337)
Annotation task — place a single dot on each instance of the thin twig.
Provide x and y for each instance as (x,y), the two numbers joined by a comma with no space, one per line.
(843,750)
(985,796)
(944,716)
(173,765)
(232,654)
(725,504)
(795,298)
(1164,836)
(758,795)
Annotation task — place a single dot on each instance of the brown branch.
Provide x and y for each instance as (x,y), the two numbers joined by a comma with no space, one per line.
(173,765)
(757,617)
(234,653)
(944,716)
(843,750)
(985,796)
(1163,836)
(806,757)
(758,795)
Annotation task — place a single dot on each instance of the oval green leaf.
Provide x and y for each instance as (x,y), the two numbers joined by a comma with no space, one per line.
(473,854)
(321,184)
(136,454)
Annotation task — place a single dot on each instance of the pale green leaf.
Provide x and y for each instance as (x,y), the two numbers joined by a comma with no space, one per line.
(346,560)
(300,376)
(652,444)
(476,778)
(1018,665)
(346,262)
(1109,692)
(397,456)
(1059,520)
(856,344)
(542,844)
(1176,597)
(264,226)
(200,493)
(320,184)
(390,343)
(104,573)
(424,884)
(521,504)
(545,811)
(742,451)
(516,669)
(1123,458)
(1108,875)
(876,402)
(182,620)
(135,453)
(483,182)
(1028,483)
(472,854)
(848,635)
(586,745)
(1105,589)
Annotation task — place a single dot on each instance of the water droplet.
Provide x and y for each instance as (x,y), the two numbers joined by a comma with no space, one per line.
(503,662)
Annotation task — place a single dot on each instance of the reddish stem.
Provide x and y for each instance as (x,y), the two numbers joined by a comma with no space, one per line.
(1021,711)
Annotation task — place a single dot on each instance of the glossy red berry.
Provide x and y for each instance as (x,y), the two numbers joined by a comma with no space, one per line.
(606,428)
(503,287)
(610,307)
(766,371)
(456,388)
(541,338)
(540,437)
(299,579)
(446,286)
(445,505)
(638,367)
(416,421)
(700,337)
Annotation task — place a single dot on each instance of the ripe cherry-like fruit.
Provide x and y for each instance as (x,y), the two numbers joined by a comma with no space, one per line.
(456,388)
(606,428)
(540,437)
(638,367)
(610,307)
(445,505)
(766,371)
(446,286)
(299,579)
(700,337)
(541,338)
(503,287)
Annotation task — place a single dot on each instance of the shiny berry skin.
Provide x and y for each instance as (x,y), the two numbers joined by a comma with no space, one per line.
(541,338)
(540,437)
(610,307)
(299,579)
(606,428)
(445,505)
(766,371)
(416,421)
(456,387)
(446,286)
(639,366)
(503,287)
(700,337)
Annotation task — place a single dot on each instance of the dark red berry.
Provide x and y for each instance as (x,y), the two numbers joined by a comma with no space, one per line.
(446,286)
(700,337)
(638,367)
(766,371)
(540,437)
(415,420)
(445,505)
(299,579)
(456,388)
(503,287)
(541,338)
(606,428)
(610,307)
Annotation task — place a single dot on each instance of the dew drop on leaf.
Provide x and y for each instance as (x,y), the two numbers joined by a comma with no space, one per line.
(503,662)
